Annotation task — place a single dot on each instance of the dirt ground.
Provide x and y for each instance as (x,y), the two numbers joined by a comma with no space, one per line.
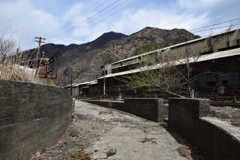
(82,133)
(103,133)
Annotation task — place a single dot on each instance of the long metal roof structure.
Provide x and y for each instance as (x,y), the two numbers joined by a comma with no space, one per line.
(176,45)
(216,55)
(83,83)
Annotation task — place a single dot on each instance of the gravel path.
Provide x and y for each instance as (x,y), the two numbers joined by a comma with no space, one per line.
(103,133)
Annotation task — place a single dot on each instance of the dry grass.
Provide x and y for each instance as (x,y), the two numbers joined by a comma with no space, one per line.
(15,72)
(10,58)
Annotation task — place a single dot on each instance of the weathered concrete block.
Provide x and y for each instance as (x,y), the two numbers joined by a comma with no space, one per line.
(32,117)
(110,104)
(188,117)
(184,115)
(149,108)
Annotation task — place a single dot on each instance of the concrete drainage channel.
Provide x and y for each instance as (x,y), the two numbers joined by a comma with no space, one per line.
(104,133)
(192,119)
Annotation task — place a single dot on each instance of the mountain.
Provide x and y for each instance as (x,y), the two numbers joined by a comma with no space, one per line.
(51,48)
(85,60)
(146,37)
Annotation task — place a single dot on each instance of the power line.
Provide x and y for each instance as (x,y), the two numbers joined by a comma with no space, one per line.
(103,18)
(111,15)
(106,10)
(66,24)
(217,28)
(215,24)
(89,18)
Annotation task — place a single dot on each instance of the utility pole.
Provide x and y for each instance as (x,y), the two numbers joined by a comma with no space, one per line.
(104,83)
(40,41)
(71,79)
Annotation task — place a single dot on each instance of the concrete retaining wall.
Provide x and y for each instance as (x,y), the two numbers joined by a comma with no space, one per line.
(32,117)
(188,117)
(110,104)
(152,109)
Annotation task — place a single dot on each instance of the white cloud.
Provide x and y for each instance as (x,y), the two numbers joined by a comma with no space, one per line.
(216,10)
(83,35)
(34,19)
(155,18)
(131,22)
(29,21)
(74,11)
(199,5)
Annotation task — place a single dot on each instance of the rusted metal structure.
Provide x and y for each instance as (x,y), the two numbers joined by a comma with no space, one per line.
(47,68)
(45,64)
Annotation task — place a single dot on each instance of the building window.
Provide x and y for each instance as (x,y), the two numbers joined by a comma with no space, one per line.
(202,80)
(194,83)
(229,78)
(90,89)
(94,89)
(223,79)
(233,78)
(211,79)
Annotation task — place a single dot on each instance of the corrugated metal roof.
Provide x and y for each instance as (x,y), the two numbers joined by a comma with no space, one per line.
(216,55)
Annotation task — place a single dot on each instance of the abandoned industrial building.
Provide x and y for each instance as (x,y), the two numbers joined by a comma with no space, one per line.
(214,61)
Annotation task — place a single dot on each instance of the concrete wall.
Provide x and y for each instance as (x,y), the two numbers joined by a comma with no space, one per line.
(188,117)
(152,109)
(110,104)
(32,117)
(47,81)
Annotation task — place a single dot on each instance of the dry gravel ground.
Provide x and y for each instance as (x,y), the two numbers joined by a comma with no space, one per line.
(104,133)
(228,114)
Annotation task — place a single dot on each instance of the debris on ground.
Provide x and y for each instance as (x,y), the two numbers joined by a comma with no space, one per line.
(149,140)
(226,114)
(184,151)
(111,152)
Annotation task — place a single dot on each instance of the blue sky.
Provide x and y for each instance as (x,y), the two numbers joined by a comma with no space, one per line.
(81,21)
